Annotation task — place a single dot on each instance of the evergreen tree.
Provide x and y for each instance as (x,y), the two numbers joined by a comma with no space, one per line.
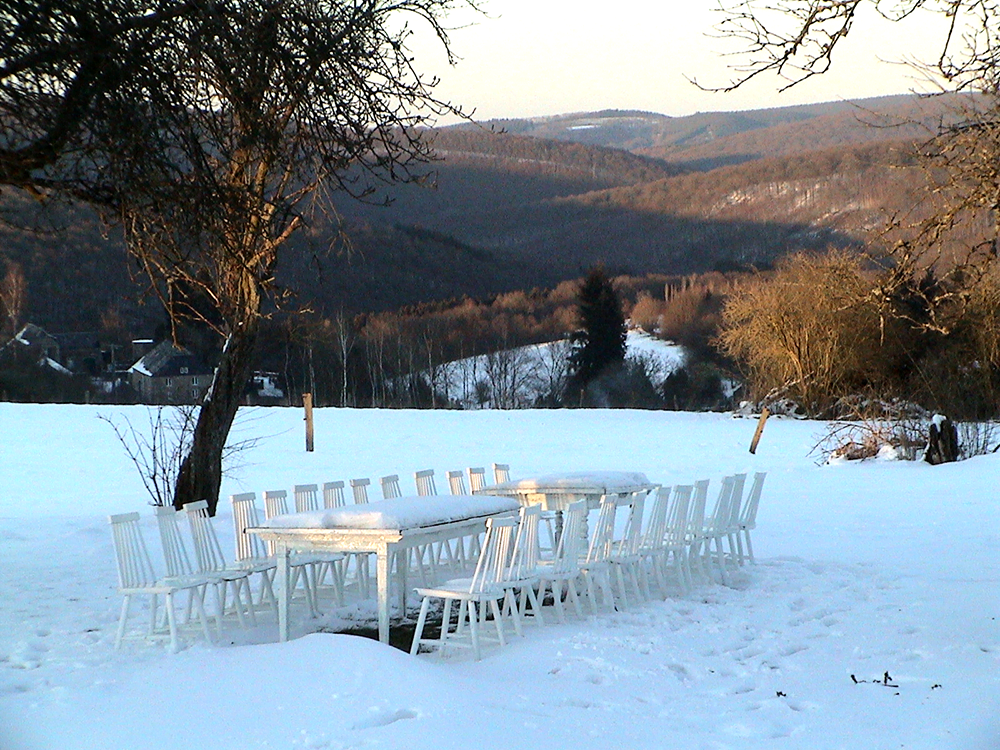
(600,341)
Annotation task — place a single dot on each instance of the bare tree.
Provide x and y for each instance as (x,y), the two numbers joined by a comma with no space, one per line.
(796,39)
(13,295)
(211,130)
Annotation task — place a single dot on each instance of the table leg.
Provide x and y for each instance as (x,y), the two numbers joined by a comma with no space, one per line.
(282,589)
(402,571)
(382,584)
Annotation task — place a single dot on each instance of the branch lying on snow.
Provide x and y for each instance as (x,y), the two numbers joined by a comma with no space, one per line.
(886,681)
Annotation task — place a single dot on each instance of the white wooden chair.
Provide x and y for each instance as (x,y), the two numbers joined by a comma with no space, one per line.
(675,544)
(304,568)
(210,559)
(695,535)
(564,567)
(333,497)
(137,578)
(477,478)
(596,567)
(651,549)
(456,483)
(625,557)
(717,528)
(485,588)
(501,473)
(306,497)
(251,554)
(524,574)
(733,554)
(425,482)
(390,486)
(748,517)
(359,488)
(179,566)
(333,494)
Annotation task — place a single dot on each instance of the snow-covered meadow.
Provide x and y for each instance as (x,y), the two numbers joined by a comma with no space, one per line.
(863,569)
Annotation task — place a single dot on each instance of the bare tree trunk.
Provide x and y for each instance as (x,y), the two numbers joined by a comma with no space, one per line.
(200,474)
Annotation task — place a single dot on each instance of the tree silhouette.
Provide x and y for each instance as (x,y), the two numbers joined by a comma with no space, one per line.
(600,340)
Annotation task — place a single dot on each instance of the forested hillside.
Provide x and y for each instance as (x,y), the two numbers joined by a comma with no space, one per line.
(531,207)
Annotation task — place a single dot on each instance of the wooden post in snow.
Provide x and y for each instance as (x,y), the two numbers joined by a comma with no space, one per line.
(764,414)
(307,402)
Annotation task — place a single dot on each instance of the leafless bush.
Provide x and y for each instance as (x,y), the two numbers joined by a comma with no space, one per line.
(158,450)
(977,438)
(870,427)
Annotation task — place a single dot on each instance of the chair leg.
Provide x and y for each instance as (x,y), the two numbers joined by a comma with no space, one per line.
(421,619)
(474,629)
(532,599)
(126,603)
(171,620)
(574,596)
(556,586)
(499,621)
(196,598)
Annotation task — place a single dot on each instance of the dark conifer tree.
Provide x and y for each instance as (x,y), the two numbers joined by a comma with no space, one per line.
(600,340)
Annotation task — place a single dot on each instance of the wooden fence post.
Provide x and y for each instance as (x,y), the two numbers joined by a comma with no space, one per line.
(307,402)
(760,428)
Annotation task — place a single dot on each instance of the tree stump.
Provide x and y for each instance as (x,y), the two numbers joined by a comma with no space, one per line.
(942,441)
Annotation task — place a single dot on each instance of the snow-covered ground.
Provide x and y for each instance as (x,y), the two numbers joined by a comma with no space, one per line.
(863,569)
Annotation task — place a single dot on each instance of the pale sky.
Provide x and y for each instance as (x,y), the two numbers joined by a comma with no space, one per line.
(545,57)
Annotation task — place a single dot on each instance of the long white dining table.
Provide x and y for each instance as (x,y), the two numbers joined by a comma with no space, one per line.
(381,527)
(557,490)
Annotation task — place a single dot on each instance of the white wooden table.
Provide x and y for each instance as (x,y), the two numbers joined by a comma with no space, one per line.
(381,527)
(557,491)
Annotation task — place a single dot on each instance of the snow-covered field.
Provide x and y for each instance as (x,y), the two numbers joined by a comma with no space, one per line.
(863,569)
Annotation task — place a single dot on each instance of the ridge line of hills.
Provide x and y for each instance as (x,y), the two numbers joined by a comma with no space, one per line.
(544,199)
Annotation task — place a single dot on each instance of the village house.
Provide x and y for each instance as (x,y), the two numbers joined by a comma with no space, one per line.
(169,374)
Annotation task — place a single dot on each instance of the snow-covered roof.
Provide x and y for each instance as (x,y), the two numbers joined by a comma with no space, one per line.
(169,360)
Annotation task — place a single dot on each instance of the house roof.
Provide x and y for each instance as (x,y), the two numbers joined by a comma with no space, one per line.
(167,360)
(31,335)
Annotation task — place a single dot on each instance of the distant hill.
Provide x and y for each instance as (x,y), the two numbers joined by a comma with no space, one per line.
(540,203)
(711,139)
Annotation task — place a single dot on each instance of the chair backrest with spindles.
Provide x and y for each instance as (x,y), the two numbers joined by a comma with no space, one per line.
(390,486)
(333,494)
(425,482)
(306,497)
(501,473)
(524,557)
(656,527)
(456,483)
(245,516)
(477,478)
(567,557)
(135,569)
(359,488)
(632,539)
(678,517)
(602,540)
(275,503)
(748,517)
(492,567)
(207,550)
(174,550)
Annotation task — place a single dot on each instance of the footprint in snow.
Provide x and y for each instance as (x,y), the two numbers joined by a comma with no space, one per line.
(384,718)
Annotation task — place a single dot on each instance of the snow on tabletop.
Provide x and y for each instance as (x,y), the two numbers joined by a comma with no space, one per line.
(397,513)
(593,481)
